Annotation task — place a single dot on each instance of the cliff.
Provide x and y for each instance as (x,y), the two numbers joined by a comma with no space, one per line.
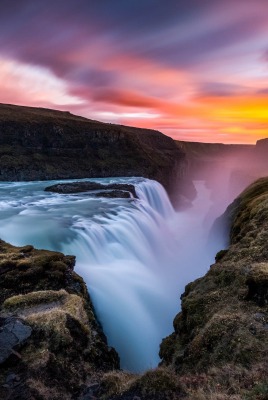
(227,168)
(43,144)
(222,327)
(51,343)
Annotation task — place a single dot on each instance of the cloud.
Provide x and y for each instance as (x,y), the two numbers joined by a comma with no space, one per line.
(187,62)
(221,89)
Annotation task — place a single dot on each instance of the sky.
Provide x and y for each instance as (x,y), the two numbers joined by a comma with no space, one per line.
(196,70)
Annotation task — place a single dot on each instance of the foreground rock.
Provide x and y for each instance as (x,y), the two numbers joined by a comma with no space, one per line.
(13,333)
(43,144)
(50,341)
(98,189)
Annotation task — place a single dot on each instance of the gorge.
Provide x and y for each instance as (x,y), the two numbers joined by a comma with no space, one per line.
(135,253)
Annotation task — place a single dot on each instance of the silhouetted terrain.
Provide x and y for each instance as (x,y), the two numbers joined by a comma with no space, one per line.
(43,144)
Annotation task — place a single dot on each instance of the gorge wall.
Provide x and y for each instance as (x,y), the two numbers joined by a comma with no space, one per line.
(43,144)
(54,347)
(50,340)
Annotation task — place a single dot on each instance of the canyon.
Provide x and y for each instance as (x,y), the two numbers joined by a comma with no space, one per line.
(90,326)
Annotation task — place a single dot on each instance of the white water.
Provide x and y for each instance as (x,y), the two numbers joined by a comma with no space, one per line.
(136,256)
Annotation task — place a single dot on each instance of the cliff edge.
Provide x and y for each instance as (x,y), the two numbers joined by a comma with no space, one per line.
(221,333)
(44,144)
(51,345)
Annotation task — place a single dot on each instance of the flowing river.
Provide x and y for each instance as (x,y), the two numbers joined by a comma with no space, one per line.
(136,256)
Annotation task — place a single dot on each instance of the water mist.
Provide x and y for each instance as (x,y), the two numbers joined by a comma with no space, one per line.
(136,256)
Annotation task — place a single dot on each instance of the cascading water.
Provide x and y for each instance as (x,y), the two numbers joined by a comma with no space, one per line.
(135,255)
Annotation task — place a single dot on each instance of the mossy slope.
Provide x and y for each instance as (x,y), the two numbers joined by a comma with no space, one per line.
(67,346)
(224,318)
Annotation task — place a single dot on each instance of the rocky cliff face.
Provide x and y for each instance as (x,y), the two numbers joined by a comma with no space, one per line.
(222,328)
(227,168)
(51,345)
(41,144)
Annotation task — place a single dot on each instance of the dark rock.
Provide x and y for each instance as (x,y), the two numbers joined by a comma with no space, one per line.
(42,144)
(258,289)
(90,392)
(11,377)
(13,333)
(114,194)
(113,189)
(259,317)
(74,187)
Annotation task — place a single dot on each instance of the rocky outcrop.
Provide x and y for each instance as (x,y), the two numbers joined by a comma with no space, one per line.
(98,189)
(13,333)
(223,323)
(42,144)
(51,344)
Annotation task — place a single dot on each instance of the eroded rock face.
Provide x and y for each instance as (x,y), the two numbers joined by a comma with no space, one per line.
(50,339)
(217,325)
(42,144)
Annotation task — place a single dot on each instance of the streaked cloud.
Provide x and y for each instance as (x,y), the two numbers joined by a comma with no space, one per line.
(195,69)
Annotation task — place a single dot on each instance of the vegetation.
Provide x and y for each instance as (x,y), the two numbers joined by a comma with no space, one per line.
(218,350)
(66,346)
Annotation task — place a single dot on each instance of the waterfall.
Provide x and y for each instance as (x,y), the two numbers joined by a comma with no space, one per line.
(135,255)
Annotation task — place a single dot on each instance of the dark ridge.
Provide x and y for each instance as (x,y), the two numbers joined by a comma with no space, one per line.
(43,144)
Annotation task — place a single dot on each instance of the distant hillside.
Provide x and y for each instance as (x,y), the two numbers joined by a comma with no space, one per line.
(203,154)
(41,144)
(226,168)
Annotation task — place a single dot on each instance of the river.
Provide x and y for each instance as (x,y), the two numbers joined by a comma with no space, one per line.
(136,256)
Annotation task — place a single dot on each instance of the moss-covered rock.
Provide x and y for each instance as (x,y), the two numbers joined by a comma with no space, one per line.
(66,346)
(223,318)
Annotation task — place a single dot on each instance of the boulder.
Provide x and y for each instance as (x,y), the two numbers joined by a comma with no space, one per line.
(13,333)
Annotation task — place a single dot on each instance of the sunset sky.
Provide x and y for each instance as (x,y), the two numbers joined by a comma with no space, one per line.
(196,70)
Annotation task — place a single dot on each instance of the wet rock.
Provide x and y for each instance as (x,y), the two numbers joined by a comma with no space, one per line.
(113,189)
(114,194)
(13,333)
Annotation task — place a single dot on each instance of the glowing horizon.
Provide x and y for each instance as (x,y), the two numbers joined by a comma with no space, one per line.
(196,72)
